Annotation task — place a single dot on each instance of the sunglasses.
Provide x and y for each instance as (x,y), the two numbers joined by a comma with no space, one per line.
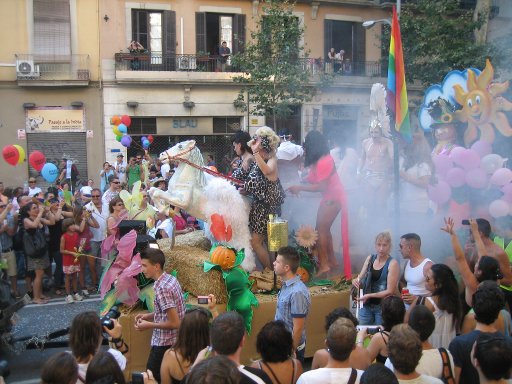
(30,182)
(3,206)
(93,196)
(116,182)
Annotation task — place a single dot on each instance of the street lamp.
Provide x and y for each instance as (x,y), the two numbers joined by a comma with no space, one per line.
(370,23)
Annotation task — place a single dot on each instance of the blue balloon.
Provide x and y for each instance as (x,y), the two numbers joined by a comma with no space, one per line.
(122,128)
(50,172)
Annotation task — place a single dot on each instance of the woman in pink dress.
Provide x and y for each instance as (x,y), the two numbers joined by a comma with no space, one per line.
(323,178)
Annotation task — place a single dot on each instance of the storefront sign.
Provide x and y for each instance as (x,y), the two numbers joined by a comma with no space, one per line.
(55,119)
(184,123)
(335,112)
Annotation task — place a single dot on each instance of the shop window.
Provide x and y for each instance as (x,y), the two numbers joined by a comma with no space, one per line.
(142,126)
(226,125)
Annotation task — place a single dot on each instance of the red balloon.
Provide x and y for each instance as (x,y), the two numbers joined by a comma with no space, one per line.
(151,138)
(126,120)
(11,154)
(37,160)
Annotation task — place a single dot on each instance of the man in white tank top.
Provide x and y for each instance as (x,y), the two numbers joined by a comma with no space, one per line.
(416,268)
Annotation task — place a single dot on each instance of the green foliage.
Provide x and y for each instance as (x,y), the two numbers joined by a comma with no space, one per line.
(274,76)
(438,37)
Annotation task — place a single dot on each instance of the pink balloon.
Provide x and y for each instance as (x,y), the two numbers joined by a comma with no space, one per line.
(457,155)
(499,208)
(439,193)
(507,193)
(501,176)
(470,159)
(482,147)
(476,178)
(442,163)
(456,177)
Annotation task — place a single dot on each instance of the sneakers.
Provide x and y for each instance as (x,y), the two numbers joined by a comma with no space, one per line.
(85,293)
(77,297)
(69,299)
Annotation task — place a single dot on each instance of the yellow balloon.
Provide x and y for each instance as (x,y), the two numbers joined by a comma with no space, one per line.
(21,151)
(116,131)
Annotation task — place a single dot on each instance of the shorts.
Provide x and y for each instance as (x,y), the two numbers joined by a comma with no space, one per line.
(70,269)
(9,258)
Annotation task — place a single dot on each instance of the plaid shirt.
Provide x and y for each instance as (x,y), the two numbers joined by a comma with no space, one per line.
(293,301)
(167,295)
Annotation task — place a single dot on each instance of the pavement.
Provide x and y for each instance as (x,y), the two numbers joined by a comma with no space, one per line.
(35,322)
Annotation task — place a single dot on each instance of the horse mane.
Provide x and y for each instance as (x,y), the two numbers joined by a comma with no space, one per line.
(196,158)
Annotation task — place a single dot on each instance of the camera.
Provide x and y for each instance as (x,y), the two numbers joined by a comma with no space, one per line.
(202,299)
(137,378)
(465,222)
(369,329)
(4,369)
(113,313)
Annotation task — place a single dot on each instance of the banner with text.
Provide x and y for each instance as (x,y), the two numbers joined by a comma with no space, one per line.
(55,119)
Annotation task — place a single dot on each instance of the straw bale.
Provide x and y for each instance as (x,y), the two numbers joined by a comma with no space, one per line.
(188,263)
(194,239)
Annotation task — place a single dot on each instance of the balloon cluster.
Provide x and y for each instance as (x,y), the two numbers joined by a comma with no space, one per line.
(476,167)
(146,141)
(15,154)
(120,129)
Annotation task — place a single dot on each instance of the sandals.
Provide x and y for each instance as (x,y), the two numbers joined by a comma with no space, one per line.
(41,301)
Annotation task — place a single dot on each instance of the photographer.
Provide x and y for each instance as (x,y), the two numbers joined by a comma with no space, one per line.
(108,170)
(86,336)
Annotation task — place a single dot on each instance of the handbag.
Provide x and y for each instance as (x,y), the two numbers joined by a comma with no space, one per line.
(367,283)
(447,368)
(34,245)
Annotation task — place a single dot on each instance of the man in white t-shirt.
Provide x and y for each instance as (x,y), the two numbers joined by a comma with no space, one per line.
(340,342)
(87,189)
(33,190)
(164,170)
(100,214)
(120,167)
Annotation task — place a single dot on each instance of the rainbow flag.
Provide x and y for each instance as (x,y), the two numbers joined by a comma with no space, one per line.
(397,90)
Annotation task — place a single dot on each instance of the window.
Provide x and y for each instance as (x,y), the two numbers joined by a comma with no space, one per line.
(156,31)
(225,125)
(345,35)
(52,27)
(214,28)
(142,126)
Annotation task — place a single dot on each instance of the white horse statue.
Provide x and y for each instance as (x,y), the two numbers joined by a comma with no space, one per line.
(201,195)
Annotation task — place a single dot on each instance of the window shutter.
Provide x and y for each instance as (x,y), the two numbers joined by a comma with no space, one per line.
(359,43)
(238,33)
(169,33)
(200,32)
(327,36)
(52,27)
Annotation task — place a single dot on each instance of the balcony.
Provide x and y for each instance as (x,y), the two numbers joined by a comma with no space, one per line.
(144,67)
(52,70)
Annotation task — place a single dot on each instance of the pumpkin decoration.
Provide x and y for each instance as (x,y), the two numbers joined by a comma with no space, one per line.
(303,274)
(224,257)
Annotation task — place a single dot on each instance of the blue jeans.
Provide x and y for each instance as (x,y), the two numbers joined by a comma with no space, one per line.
(370,314)
(20,264)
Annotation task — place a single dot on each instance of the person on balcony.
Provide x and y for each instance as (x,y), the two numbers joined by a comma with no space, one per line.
(338,61)
(224,53)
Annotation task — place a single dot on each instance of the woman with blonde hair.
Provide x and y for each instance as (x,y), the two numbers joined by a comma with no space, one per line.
(378,279)
(263,184)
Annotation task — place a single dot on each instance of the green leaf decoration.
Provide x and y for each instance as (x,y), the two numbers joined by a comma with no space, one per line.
(108,302)
(147,296)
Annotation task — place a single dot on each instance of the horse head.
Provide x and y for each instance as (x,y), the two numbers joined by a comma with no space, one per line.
(181,150)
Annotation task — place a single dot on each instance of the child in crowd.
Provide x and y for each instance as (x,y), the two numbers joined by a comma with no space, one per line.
(69,242)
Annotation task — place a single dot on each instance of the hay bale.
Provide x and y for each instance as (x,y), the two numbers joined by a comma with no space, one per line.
(194,239)
(188,262)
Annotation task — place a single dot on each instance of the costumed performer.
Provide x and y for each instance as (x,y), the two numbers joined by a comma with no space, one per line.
(244,158)
(263,185)
(323,178)
(118,213)
(443,126)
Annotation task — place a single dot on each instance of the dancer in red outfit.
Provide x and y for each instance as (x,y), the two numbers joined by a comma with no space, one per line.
(324,178)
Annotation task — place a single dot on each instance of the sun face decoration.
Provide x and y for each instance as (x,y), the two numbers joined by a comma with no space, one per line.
(481,106)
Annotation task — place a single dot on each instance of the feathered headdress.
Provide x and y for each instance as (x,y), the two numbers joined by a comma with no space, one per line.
(378,109)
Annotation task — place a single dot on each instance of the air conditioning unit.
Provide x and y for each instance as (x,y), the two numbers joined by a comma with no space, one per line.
(26,69)
(185,63)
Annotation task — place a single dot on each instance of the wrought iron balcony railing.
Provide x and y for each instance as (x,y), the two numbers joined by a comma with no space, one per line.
(52,67)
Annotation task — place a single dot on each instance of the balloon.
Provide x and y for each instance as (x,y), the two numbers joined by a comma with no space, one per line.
(491,163)
(37,160)
(476,178)
(507,193)
(119,137)
(146,143)
(143,138)
(151,138)
(122,128)
(126,141)
(116,131)
(11,154)
(499,208)
(443,164)
(116,120)
(126,120)
(439,193)
(483,148)
(21,152)
(501,177)
(456,177)
(470,159)
(50,172)
(457,155)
